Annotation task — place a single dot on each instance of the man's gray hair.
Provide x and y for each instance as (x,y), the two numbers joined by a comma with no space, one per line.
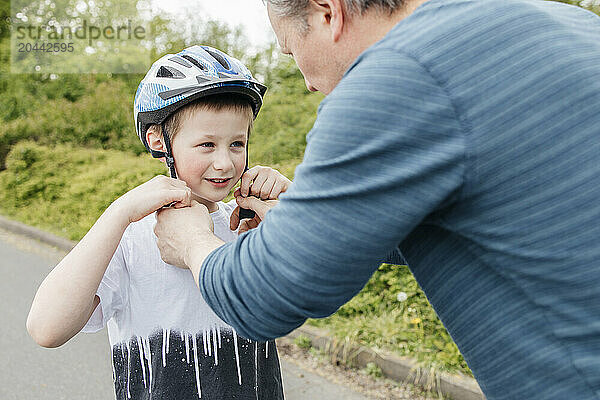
(298,8)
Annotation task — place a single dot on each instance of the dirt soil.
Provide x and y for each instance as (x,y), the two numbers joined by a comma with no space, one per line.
(357,380)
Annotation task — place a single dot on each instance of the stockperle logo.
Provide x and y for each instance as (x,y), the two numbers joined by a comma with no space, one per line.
(78,36)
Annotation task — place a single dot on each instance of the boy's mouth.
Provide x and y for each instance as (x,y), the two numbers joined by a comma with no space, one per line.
(219,182)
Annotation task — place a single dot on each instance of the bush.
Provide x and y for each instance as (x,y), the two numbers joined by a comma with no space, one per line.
(102,118)
(96,111)
(64,189)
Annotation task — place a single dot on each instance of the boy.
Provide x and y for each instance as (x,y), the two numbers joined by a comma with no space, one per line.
(194,109)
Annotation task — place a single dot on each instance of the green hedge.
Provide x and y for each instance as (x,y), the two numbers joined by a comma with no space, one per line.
(97,112)
(102,118)
(64,189)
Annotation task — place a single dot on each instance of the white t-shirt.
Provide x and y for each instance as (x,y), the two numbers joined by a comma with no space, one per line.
(166,341)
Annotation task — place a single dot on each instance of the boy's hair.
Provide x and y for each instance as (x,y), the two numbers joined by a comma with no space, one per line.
(217,102)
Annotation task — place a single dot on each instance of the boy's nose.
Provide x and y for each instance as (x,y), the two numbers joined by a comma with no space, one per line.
(223,163)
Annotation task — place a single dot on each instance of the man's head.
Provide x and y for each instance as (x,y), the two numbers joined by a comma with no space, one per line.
(326,36)
(298,8)
(209,140)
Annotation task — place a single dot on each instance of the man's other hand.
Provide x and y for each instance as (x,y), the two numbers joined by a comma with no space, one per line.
(178,230)
(260,208)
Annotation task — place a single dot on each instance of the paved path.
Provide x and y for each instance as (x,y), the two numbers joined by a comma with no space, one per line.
(81,369)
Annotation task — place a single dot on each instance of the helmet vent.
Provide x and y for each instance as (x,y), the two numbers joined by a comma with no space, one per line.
(218,57)
(181,61)
(169,72)
(195,62)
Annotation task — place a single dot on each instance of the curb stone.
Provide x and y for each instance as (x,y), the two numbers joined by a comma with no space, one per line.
(34,233)
(394,367)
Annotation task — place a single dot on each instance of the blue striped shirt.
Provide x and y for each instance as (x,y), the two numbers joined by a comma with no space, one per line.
(469,139)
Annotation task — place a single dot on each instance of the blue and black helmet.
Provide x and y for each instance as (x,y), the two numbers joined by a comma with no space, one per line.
(178,79)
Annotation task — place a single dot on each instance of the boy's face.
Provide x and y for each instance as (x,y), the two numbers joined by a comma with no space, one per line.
(210,152)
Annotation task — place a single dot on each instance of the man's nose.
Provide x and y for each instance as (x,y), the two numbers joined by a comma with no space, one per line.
(310,87)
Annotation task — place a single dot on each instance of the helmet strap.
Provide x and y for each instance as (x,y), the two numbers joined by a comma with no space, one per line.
(244,212)
(168,153)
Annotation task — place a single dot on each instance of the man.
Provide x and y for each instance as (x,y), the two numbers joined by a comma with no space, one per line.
(464,133)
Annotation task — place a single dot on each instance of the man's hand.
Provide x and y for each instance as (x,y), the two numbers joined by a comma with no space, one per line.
(260,208)
(185,236)
(264,183)
(258,183)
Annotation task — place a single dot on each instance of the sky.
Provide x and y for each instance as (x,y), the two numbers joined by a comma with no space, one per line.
(251,14)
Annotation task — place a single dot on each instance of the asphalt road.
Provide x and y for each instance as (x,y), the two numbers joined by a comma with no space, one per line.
(81,369)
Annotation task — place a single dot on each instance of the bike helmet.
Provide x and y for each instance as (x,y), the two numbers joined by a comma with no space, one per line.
(178,79)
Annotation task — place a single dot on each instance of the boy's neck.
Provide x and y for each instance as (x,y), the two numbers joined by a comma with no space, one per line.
(211,205)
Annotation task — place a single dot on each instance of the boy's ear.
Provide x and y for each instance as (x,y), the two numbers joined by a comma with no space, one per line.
(155,140)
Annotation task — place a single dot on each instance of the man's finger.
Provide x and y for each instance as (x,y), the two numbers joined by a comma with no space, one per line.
(247,178)
(267,188)
(234,220)
(170,182)
(278,188)
(253,223)
(243,227)
(255,204)
(178,183)
(257,185)
(247,224)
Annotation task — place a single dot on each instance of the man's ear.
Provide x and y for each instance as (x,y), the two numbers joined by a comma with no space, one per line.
(332,13)
(154,139)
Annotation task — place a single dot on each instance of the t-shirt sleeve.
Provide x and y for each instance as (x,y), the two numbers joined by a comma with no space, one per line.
(387,150)
(112,291)
(230,206)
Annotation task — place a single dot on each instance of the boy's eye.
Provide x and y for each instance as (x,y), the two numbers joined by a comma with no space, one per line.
(237,144)
(207,144)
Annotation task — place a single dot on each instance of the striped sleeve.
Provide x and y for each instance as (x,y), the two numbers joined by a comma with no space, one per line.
(386,150)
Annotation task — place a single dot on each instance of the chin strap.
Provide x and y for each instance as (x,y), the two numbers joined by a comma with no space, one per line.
(168,154)
(244,212)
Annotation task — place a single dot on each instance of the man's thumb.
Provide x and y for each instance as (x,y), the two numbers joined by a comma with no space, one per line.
(253,203)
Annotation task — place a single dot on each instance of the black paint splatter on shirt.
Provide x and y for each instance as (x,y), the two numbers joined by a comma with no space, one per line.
(163,367)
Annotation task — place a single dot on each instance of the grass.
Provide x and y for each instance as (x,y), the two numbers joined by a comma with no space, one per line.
(303,342)
(376,318)
(373,370)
